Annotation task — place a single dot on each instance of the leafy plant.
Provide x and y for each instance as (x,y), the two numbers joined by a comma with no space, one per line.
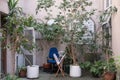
(22,68)
(29,21)
(105,20)
(14,29)
(73,19)
(11,77)
(13,7)
(117,61)
(106,15)
(117,64)
(97,68)
(44,4)
(86,65)
(110,66)
(49,32)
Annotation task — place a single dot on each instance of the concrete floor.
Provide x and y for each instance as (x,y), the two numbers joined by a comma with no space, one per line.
(49,76)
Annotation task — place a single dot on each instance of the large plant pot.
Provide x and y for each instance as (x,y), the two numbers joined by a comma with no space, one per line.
(22,73)
(33,71)
(75,71)
(46,67)
(110,76)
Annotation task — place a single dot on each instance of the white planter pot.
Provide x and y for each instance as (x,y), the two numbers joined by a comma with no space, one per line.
(33,71)
(75,71)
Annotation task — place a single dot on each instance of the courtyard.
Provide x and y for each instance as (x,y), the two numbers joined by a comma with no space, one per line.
(78,37)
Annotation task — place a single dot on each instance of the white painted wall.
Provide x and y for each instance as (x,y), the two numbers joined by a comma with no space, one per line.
(116,28)
(4,6)
(99,6)
(116,35)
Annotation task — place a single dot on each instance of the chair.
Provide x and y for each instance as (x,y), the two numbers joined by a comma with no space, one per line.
(50,58)
(59,63)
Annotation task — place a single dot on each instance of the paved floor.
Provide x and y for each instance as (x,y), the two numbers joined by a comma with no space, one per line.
(48,76)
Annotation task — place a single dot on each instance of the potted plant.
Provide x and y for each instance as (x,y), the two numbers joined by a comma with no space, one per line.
(109,70)
(22,71)
(75,30)
(109,66)
(32,70)
(13,29)
(72,15)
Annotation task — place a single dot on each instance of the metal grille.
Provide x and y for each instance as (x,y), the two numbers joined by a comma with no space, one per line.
(28,60)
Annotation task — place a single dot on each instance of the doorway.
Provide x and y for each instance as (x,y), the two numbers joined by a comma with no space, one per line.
(3,42)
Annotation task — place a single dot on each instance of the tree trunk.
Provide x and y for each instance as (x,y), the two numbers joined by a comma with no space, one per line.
(13,62)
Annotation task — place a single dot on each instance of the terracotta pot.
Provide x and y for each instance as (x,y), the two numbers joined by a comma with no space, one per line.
(46,65)
(22,73)
(109,76)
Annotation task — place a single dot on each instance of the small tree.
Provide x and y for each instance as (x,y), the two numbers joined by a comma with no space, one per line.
(14,31)
(72,15)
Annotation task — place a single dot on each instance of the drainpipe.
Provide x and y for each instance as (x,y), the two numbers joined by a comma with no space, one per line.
(0,46)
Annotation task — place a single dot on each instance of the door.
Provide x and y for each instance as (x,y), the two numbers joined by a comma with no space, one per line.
(30,35)
(3,43)
(3,57)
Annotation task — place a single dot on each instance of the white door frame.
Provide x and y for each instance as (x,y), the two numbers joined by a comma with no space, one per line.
(20,60)
(33,40)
